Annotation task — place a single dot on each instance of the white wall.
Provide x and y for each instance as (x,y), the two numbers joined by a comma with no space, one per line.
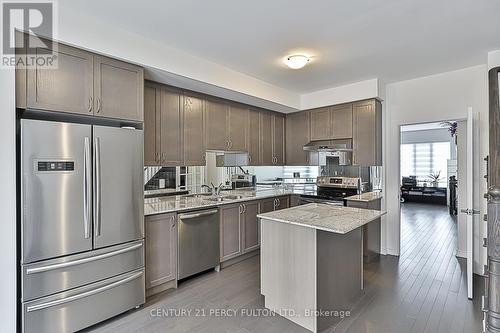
(7,204)
(493,59)
(343,94)
(439,97)
(87,32)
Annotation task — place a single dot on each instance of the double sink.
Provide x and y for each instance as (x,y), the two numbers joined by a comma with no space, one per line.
(218,198)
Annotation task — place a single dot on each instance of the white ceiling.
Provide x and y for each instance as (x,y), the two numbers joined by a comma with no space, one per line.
(350,41)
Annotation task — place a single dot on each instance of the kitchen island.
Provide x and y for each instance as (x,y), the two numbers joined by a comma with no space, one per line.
(312,262)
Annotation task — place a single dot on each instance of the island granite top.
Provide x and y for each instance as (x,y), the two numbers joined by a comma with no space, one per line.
(324,216)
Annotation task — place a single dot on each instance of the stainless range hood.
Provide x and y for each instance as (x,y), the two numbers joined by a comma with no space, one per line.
(341,145)
(339,150)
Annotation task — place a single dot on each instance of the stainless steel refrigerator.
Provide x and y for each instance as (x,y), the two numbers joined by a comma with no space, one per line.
(82,224)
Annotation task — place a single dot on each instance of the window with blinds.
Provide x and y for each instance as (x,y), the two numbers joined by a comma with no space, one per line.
(423,159)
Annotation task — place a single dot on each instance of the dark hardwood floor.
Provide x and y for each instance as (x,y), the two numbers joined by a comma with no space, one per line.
(423,290)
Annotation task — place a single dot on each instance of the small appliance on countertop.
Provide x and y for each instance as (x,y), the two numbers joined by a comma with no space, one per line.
(243,180)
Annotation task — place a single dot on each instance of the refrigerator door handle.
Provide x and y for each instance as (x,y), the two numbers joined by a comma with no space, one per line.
(87,194)
(82,261)
(97,187)
(82,295)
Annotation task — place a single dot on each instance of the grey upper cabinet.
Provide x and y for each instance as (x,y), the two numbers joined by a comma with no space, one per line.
(297,135)
(82,83)
(333,122)
(67,88)
(161,249)
(216,114)
(162,126)
(341,117)
(225,126)
(254,135)
(272,138)
(230,231)
(266,138)
(171,117)
(321,124)
(367,133)
(278,139)
(237,127)
(152,145)
(118,89)
(193,130)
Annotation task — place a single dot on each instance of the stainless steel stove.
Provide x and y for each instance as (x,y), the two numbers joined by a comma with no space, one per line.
(333,190)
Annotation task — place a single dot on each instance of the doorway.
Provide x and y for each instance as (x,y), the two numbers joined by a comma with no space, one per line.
(434,182)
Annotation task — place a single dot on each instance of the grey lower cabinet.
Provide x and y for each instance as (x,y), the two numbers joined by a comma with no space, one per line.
(272,204)
(230,231)
(371,231)
(250,226)
(367,133)
(161,252)
(239,225)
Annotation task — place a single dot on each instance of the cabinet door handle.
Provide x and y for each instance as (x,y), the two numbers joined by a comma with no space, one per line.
(244,208)
(98,105)
(240,209)
(249,158)
(89,107)
(173,222)
(230,144)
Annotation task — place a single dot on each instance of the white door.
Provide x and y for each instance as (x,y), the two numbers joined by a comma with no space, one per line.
(470,212)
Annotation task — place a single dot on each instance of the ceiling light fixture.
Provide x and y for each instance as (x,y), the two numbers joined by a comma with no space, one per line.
(296,61)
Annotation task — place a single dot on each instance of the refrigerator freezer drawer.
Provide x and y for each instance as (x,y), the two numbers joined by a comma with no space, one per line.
(82,307)
(56,275)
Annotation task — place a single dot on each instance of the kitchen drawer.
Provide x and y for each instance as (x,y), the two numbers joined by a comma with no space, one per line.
(78,308)
(56,275)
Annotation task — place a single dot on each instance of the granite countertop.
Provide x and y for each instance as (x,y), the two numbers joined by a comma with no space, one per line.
(326,217)
(365,197)
(179,203)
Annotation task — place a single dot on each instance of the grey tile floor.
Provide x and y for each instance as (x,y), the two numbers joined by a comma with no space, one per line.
(423,290)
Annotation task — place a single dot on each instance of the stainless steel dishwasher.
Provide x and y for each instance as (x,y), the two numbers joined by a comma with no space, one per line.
(198,242)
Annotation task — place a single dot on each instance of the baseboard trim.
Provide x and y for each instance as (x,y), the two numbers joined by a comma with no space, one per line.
(233,261)
(160,288)
(461,254)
